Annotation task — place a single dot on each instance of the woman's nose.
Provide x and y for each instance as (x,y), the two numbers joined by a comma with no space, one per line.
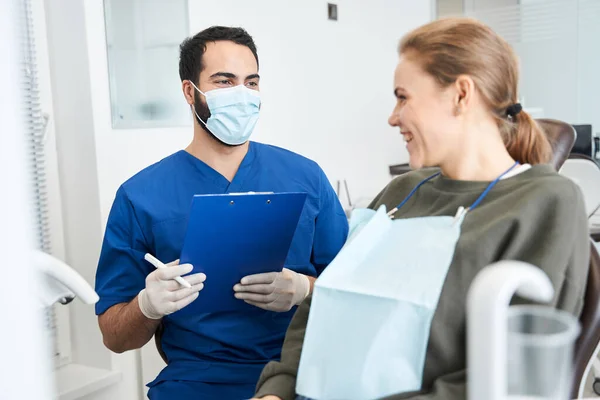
(393,120)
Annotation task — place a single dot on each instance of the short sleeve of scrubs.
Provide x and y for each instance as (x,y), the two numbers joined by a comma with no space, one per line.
(122,271)
(331,226)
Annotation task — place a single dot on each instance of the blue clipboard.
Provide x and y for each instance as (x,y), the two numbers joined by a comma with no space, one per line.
(230,236)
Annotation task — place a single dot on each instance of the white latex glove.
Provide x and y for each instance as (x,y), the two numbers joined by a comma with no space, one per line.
(273,291)
(163,295)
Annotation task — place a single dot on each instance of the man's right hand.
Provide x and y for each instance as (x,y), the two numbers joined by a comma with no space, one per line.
(163,295)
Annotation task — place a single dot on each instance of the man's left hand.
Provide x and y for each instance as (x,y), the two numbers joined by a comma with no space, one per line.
(273,291)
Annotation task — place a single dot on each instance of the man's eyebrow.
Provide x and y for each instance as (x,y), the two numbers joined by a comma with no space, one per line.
(253,76)
(224,75)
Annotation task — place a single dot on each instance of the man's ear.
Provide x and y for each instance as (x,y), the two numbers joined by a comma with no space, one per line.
(465,91)
(188,91)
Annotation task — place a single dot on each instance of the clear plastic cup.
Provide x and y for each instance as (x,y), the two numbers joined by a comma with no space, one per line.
(540,353)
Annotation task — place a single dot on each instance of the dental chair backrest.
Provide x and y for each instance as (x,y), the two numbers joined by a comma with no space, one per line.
(561,136)
(587,345)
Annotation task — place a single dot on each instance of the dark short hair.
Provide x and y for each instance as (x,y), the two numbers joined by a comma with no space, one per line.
(192,49)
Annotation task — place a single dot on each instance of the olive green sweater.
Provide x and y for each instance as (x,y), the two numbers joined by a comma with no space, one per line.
(537,216)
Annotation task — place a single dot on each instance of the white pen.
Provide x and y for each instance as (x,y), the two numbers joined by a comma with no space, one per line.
(156,262)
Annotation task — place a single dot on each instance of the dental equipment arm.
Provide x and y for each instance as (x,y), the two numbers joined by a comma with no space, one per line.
(59,283)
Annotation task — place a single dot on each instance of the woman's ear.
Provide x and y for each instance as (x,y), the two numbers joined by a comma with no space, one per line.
(465,90)
(188,91)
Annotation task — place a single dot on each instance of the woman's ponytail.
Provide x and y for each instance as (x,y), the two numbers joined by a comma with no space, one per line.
(525,141)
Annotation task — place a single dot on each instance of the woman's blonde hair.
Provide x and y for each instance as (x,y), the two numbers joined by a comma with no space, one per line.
(448,48)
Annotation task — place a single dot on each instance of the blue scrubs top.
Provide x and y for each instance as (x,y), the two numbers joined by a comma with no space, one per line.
(150,214)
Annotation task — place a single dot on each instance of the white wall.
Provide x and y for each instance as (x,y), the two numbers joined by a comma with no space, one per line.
(447,8)
(549,57)
(325,85)
(589,64)
(482,5)
(83,227)
(557,43)
(75,142)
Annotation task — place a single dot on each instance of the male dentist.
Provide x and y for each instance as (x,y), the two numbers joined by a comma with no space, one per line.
(218,355)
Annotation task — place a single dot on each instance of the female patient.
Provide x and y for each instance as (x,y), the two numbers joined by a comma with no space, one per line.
(457,109)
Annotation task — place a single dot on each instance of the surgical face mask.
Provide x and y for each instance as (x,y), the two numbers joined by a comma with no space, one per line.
(233,113)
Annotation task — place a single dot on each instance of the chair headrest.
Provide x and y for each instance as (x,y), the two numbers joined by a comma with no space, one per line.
(561,136)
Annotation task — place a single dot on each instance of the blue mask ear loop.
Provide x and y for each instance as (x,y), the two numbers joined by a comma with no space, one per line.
(194,108)
(196,87)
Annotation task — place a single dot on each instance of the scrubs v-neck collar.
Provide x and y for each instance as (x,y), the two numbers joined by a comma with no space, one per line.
(221,184)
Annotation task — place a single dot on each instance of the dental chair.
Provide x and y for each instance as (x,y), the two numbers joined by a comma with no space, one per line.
(586,173)
(562,137)
(587,345)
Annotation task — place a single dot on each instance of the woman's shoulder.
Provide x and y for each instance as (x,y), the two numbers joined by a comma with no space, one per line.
(543,181)
(542,194)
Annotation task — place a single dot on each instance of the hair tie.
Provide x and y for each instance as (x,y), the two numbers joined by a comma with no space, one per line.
(513,110)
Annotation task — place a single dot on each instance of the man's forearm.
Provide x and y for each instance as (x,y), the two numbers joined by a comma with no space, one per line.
(124,327)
